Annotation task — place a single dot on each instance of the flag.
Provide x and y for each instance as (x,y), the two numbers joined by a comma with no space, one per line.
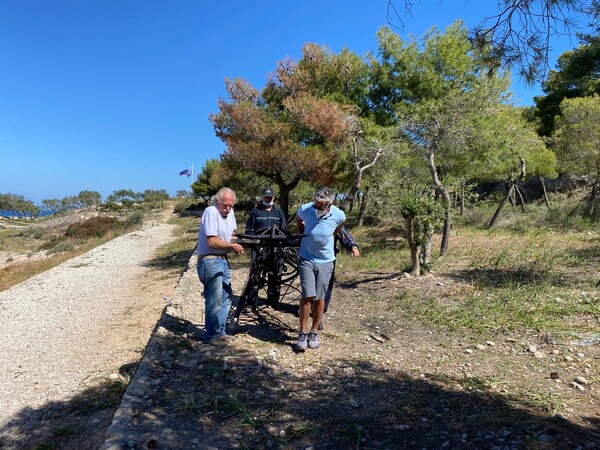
(186,172)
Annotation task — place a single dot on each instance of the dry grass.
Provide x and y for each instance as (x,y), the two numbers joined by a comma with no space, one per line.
(542,280)
(19,272)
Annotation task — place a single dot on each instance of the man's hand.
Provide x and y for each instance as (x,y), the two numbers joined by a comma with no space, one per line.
(237,248)
(355,252)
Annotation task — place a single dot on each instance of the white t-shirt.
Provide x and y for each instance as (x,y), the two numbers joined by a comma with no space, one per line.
(213,224)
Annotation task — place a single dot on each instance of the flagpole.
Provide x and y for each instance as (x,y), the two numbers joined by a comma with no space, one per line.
(192,175)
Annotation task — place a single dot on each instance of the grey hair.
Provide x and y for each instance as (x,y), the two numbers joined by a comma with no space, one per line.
(219,195)
(324,194)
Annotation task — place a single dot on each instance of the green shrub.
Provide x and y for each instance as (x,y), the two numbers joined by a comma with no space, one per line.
(190,205)
(35,232)
(61,248)
(52,242)
(135,218)
(94,227)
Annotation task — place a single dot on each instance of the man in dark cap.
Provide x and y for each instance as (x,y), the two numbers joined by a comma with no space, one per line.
(266,214)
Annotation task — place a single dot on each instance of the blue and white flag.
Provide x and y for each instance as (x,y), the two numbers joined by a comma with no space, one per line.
(186,172)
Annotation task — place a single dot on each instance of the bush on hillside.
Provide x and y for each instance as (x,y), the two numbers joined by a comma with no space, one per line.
(135,218)
(187,205)
(52,242)
(35,232)
(94,227)
(61,248)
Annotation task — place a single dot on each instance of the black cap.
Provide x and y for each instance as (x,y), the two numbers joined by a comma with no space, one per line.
(268,192)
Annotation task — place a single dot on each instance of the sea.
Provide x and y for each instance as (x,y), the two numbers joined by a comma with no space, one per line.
(4,213)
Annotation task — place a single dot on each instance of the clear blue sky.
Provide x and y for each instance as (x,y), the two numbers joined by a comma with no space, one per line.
(109,94)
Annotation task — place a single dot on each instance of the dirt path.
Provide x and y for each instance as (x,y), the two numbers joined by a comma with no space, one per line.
(70,338)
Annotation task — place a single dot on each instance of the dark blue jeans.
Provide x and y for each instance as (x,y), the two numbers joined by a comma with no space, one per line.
(215,276)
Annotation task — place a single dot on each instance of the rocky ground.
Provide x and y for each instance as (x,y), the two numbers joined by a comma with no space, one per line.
(381,380)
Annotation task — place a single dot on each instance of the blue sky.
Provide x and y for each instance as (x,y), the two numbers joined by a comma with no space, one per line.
(115,94)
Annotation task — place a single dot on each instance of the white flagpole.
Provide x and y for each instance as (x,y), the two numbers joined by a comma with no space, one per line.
(192,175)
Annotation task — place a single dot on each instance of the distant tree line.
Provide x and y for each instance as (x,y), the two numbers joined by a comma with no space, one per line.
(123,198)
(19,205)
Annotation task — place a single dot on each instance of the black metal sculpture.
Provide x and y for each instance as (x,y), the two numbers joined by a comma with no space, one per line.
(274,266)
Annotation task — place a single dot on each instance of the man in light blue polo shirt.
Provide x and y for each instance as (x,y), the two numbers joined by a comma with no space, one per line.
(317,221)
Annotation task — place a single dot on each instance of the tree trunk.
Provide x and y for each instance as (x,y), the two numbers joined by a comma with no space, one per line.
(425,254)
(447,220)
(545,192)
(284,196)
(441,191)
(594,191)
(521,200)
(501,205)
(412,245)
(362,208)
(353,191)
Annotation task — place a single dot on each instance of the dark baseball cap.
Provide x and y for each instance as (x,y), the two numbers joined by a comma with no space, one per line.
(268,192)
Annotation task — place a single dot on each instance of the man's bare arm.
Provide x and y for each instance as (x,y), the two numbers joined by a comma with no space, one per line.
(219,244)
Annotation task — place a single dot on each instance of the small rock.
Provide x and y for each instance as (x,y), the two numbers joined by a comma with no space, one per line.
(539,355)
(490,343)
(554,375)
(469,351)
(532,348)
(114,376)
(575,385)
(581,380)
(545,438)
(481,347)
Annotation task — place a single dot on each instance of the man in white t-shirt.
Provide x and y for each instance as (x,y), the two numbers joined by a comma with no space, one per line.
(215,234)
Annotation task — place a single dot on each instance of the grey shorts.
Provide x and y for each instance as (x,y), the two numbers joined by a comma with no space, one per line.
(314,278)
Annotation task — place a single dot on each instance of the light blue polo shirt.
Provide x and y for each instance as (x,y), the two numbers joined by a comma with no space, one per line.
(317,244)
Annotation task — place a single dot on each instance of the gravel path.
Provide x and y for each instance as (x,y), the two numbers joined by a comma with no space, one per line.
(62,330)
